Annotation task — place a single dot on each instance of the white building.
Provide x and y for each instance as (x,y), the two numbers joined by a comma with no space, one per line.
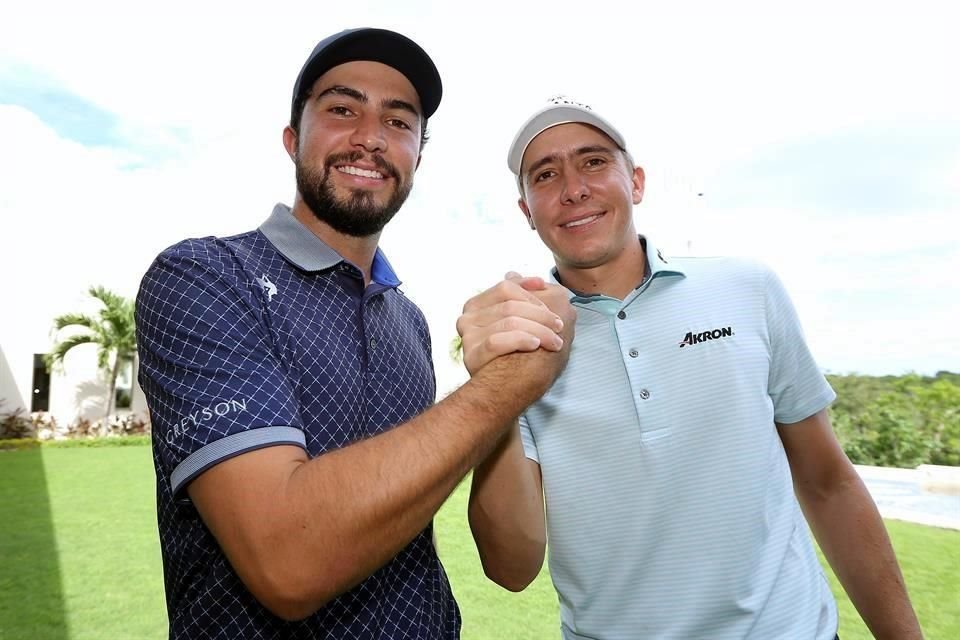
(76,392)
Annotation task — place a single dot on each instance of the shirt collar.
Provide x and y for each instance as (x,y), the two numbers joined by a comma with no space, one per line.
(657,266)
(303,248)
(657,263)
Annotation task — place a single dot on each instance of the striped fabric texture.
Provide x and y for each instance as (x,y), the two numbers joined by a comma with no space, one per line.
(670,506)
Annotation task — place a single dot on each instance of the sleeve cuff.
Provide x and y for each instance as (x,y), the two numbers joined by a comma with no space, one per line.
(529,445)
(233,445)
(819,403)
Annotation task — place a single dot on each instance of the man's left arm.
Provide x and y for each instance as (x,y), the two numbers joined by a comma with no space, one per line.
(845,521)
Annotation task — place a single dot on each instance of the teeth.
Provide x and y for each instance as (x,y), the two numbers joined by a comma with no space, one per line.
(577,223)
(356,171)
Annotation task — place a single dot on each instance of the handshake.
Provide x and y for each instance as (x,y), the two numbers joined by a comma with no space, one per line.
(520,322)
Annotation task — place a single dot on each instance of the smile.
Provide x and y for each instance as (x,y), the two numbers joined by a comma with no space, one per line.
(582,221)
(357,171)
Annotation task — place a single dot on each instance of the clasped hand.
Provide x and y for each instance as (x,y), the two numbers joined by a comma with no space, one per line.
(518,314)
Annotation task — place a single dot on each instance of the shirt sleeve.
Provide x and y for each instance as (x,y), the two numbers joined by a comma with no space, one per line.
(529,443)
(796,385)
(208,368)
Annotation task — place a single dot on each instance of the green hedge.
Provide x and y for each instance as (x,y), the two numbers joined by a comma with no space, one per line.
(15,444)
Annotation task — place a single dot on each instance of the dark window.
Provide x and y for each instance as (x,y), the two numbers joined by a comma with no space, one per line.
(124,391)
(40,395)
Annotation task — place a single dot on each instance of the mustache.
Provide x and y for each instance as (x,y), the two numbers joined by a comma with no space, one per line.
(385,167)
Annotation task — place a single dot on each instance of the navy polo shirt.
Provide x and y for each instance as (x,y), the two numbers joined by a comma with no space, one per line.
(268,338)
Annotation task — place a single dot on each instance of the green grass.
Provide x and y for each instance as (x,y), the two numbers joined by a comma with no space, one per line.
(79,558)
(490,612)
(930,561)
(31,598)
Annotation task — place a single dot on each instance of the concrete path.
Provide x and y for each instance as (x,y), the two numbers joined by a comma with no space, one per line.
(927,495)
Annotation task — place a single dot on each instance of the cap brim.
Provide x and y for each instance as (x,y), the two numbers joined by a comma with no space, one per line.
(552,116)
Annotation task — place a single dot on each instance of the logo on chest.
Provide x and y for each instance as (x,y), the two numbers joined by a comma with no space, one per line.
(714,334)
(268,287)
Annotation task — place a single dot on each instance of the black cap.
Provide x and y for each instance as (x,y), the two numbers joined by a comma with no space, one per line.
(377,45)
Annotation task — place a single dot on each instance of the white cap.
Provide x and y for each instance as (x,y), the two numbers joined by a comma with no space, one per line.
(560,110)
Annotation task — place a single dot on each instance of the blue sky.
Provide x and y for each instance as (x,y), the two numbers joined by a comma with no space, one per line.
(75,117)
(71,116)
(825,138)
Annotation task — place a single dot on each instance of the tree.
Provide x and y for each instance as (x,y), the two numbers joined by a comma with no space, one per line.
(898,420)
(112,330)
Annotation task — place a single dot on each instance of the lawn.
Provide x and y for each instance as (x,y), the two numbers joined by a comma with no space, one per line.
(79,558)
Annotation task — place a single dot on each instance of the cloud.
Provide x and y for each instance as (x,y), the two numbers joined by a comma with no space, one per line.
(849,171)
(875,293)
(191,99)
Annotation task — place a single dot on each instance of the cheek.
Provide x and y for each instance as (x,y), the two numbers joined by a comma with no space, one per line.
(538,203)
(541,223)
(407,154)
(311,147)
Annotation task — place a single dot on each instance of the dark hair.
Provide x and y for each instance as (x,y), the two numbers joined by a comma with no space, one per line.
(301,103)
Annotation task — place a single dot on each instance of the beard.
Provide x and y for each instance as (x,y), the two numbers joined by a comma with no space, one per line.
(358,215)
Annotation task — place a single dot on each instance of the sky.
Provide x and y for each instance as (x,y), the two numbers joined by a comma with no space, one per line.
(822,138)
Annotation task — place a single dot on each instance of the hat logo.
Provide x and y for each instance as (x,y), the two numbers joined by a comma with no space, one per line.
(561,99)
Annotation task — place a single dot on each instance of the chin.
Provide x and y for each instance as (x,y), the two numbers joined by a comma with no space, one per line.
(577,262)
(584,259)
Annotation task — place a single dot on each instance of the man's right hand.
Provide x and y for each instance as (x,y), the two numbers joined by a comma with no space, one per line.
(517,314)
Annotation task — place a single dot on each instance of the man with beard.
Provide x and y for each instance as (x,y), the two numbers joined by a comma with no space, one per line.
(299,456)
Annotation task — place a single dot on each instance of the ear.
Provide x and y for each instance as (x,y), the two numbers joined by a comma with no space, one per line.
(419,158)
(290,140)
(639,181)
(526,212)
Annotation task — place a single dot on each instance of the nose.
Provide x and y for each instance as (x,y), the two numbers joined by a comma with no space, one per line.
(369,135)
(575,188)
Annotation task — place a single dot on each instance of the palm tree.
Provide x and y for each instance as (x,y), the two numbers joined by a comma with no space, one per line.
(112,330)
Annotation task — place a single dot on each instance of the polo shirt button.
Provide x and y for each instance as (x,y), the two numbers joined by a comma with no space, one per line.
(644,394)
(622,315)
(373,343)
(634,353)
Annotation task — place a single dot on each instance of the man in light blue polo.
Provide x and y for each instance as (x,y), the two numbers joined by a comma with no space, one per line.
(678,453)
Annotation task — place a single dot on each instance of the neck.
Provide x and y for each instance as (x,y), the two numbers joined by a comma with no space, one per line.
(614,278)
(358,251)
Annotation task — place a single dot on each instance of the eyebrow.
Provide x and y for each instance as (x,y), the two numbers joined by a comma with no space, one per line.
(340,90)
(580,151)
(359,96)
(402,105)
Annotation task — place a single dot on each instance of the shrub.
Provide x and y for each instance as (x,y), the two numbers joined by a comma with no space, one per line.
(16,424)
(939,408)
(125,425)
(903,421)
(96,443)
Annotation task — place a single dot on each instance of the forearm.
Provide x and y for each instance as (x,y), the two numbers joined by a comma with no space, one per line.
(507,516)
(348,512)
(852,536)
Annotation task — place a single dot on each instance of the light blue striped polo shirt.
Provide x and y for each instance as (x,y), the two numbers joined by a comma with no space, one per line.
(670,506)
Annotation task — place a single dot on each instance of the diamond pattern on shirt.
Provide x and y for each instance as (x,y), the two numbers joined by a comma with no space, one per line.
(222,354)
